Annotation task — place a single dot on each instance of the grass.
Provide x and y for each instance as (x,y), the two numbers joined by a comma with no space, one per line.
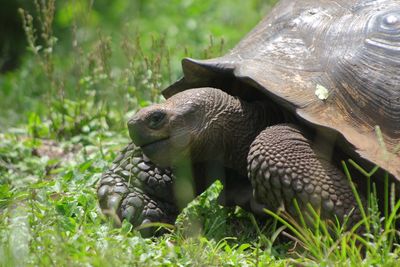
(49,216)
(89,66)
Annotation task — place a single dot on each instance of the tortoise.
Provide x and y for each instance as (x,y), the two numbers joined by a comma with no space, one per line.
(314,83)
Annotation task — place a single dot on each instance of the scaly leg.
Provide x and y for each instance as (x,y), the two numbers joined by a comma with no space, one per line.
(283,166)
(137,190)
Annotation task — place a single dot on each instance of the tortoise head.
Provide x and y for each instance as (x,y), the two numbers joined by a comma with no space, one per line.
(170,131)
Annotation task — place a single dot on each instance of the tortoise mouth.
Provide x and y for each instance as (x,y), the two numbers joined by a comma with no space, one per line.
(157,142)
(158,151)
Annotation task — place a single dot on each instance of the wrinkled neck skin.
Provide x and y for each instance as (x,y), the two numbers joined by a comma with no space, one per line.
(229,128)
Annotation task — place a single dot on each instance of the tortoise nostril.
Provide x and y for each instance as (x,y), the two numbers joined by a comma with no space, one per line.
(156,119)
(132,128)
(147,125)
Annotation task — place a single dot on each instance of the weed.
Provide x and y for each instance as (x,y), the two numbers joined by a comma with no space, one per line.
(371,241)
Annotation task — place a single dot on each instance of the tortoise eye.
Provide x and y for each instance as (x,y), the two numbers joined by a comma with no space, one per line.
(156,119)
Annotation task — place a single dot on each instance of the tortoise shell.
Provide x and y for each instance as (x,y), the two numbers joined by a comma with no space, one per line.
(335,64)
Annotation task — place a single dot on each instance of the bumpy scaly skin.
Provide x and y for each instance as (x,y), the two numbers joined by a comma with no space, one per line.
(282,166)
(207,124)
(137,190)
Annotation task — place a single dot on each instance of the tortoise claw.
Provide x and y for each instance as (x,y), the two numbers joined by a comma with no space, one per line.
(138,208)
(113,202)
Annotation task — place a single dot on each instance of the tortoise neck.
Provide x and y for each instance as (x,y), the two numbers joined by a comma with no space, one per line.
(232,124)
(244,128)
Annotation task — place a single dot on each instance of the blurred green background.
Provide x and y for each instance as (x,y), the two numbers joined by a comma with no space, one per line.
(118,54)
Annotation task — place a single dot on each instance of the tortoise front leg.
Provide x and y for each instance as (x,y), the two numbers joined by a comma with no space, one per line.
(283,166)
(137,190)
